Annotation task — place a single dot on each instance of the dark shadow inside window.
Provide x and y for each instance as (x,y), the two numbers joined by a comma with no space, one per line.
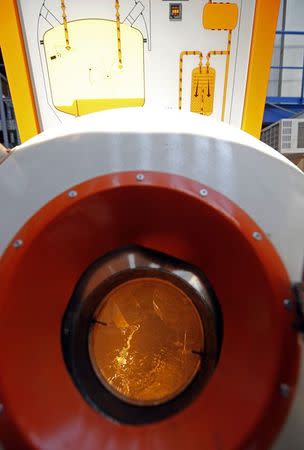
(9,135)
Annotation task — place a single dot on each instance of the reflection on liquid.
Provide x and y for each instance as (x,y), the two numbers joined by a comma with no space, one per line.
(142,342)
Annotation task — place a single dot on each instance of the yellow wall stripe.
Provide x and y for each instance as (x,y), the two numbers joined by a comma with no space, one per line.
(15,60)
(264,28)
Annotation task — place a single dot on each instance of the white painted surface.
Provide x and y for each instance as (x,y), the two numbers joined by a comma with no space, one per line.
(258,179)
(292,435)
(165,41)
(262,182)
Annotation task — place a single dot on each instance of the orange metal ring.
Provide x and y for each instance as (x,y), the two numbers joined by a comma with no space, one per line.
(241,407)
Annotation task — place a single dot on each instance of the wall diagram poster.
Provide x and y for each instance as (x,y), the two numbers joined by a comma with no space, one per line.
(94,55)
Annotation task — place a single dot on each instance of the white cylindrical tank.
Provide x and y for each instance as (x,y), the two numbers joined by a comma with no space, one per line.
(177,183)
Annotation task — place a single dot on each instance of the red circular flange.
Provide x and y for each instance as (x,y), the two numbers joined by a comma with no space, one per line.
(240,409)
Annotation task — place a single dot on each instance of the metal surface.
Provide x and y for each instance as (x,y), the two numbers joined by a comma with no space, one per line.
(302,84)
(285,390)
(204,192)
(282,46)
(18,243)
(279,99)
(299,293)
(137,258)
(3,117)
(72,194)
(292,435)
(64,238)
(288,304)
(162,382)
(286,100)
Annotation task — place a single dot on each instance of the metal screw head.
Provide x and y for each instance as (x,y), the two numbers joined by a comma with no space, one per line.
(72,194)
(288,304)
(204,192)
(284,390)
(140,177)
(18,243)
(257,236)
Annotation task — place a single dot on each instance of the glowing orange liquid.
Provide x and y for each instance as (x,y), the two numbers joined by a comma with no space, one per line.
(142,350)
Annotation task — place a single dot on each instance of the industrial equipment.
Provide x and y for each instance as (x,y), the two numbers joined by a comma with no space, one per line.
(286,136)
(150,275)
(151,264)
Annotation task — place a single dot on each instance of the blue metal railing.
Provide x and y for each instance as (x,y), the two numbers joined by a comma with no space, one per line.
(280,107)
(291,100)
(290,32)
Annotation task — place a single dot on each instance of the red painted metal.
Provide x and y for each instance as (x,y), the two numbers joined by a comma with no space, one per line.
(241,408)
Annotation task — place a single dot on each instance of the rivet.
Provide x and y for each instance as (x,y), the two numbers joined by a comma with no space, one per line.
(204,192)
(257,236)
(287,304)
(284,390)
(140,177)
(72,194)
(18,243)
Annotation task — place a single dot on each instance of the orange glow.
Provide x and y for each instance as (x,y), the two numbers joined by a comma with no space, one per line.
(143,341)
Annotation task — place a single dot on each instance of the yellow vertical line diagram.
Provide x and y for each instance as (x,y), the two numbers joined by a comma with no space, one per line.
(203,101)
(186,53)
(202,90)
(117,6)
(226,74)
(65,25)
(13,50)
(227,53)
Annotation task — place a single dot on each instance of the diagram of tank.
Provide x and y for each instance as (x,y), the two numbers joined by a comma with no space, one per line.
(91,64)
(100,55)
(217,17)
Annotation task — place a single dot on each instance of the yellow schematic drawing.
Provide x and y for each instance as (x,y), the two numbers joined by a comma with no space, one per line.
(65,25)
(87,70)
(220,16)
(202,90)
(216,16)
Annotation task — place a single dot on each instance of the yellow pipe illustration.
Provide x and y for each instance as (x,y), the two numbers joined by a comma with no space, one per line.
(220,16)
(202,90)
(65,25)
(117,6)
(227,53)
(226,74)
(186,53)
(202,102)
